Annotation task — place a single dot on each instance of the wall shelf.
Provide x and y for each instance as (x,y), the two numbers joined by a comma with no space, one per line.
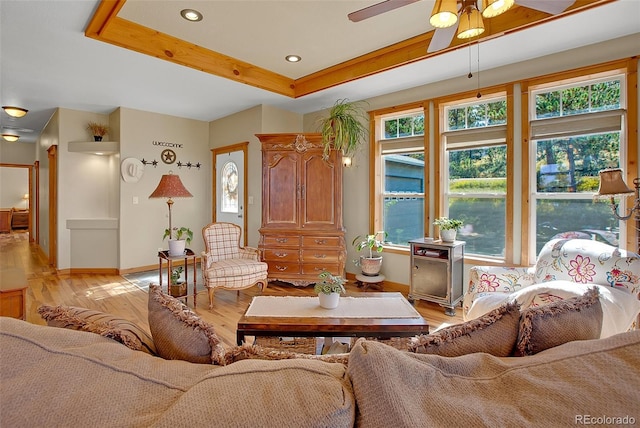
(95,147)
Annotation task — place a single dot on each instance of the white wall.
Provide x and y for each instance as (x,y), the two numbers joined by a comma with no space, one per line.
(241,127)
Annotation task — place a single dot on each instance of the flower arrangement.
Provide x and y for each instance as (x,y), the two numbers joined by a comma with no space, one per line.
(445,223)
(98,129)
(180,233)
(329,284)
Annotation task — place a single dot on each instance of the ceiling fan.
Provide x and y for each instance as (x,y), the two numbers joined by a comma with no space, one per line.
(460,16)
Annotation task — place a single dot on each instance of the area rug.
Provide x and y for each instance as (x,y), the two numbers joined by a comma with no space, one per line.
(392,306)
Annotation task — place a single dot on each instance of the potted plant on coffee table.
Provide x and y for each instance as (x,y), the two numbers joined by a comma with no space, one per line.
(329,289)
(370,264)
(177,245)
(448,228)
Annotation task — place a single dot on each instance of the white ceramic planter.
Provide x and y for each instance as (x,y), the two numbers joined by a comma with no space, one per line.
(370,266)
(329,301)
(177,247)
(448,235)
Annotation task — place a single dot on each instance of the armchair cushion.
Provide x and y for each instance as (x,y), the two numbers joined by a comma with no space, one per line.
(549,325)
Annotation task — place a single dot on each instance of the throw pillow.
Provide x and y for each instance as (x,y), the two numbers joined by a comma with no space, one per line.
(546,326)
(494,333)
(179,334)
(256,352)
(107,325)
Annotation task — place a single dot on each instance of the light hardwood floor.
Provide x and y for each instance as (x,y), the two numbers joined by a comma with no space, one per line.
(115,295)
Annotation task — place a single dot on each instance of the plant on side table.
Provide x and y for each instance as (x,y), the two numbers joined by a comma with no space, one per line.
(329,289)
(177,287)
(370,265)
(183,237)
(448,228)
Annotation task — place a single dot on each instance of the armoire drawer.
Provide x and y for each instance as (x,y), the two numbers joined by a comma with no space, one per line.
(277,267)
(320,255)
(321,241)
(280,241)
(315,269)
(281,255)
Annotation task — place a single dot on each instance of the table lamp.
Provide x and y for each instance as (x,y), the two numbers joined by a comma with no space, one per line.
(170,187)
(611,185)
(25,198)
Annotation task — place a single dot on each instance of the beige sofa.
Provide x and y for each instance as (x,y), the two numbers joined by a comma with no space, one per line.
(58,377)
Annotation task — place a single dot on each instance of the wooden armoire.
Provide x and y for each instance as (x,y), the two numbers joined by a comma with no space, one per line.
(302,232)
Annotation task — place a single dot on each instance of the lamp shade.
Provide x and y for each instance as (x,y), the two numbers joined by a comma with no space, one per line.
(491,8)
(471,24)
(170,186)
(15,111)
(444,14)
(611,183)
(11,137)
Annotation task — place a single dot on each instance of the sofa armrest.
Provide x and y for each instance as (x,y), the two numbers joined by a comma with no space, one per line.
(495,279)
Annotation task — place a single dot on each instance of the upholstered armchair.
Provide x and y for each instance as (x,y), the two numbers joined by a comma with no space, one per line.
(225,264)
(565,268)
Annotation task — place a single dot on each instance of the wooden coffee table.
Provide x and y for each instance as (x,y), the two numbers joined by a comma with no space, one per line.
(382,328)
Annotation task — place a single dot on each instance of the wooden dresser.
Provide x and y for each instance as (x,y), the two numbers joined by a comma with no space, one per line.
(302,232)
(5,220)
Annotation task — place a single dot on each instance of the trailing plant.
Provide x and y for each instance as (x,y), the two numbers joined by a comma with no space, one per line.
(372,242)
(445,223)
(180,233)
(329,284)
(343,129)
(98,129)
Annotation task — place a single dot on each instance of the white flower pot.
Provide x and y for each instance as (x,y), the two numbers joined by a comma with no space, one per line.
(448,235)
(370,266)
(329,301)
(177,247)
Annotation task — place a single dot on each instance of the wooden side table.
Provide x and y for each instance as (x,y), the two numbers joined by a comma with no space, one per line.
(164,256)
(13,293)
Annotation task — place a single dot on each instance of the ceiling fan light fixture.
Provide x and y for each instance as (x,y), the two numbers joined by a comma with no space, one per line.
(471,24)
(491,8)
(15,111)
(10,137)
(444,14)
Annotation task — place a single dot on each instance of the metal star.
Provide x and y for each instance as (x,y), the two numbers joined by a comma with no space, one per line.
(144,162)
(198,165)
(154,163)
(179,164)
(189,165)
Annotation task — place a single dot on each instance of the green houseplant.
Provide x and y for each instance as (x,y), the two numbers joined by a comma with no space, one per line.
(177,245)
(448,228)
(344,129)
(370,265)
(177,287)
(329,289)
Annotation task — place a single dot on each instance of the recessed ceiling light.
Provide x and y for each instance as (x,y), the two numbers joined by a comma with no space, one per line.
(10,137)
(293,58)
(191,15)
(15,111)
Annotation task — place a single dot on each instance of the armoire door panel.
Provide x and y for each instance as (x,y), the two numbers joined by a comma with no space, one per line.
(283,191)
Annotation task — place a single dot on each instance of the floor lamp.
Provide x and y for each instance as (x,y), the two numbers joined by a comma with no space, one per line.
(169,187)
(612,184)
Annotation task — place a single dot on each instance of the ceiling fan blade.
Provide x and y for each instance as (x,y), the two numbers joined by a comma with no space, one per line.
(442,38)
(377,9)
(549,6)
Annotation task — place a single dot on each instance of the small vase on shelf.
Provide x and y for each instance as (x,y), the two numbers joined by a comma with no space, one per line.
(97,138)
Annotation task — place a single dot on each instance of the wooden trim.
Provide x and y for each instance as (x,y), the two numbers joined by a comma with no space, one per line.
(106,26)
(93,271)
(525,205)
(36,237)
(375,176)
(631,125)
(509,202)
(30,187)
(244,147)
(427,161)
(52,154)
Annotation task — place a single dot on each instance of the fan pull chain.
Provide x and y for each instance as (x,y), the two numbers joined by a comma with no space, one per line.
(478,95)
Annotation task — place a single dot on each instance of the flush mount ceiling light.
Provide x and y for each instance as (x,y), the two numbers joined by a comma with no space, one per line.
(191,15)
(10,137)
(293,58)
(15,111)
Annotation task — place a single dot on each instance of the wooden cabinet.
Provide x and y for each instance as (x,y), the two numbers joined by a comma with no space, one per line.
(5,221)
(436,272)
(302,232)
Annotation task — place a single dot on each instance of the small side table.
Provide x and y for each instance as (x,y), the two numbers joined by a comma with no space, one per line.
(13,293)
(366,281)
(164,256)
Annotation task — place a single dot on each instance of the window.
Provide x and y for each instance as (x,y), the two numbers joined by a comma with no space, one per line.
(576,131)
(403,186)
(475,161)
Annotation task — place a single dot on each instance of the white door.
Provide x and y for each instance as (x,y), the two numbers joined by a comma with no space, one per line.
(230,188)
